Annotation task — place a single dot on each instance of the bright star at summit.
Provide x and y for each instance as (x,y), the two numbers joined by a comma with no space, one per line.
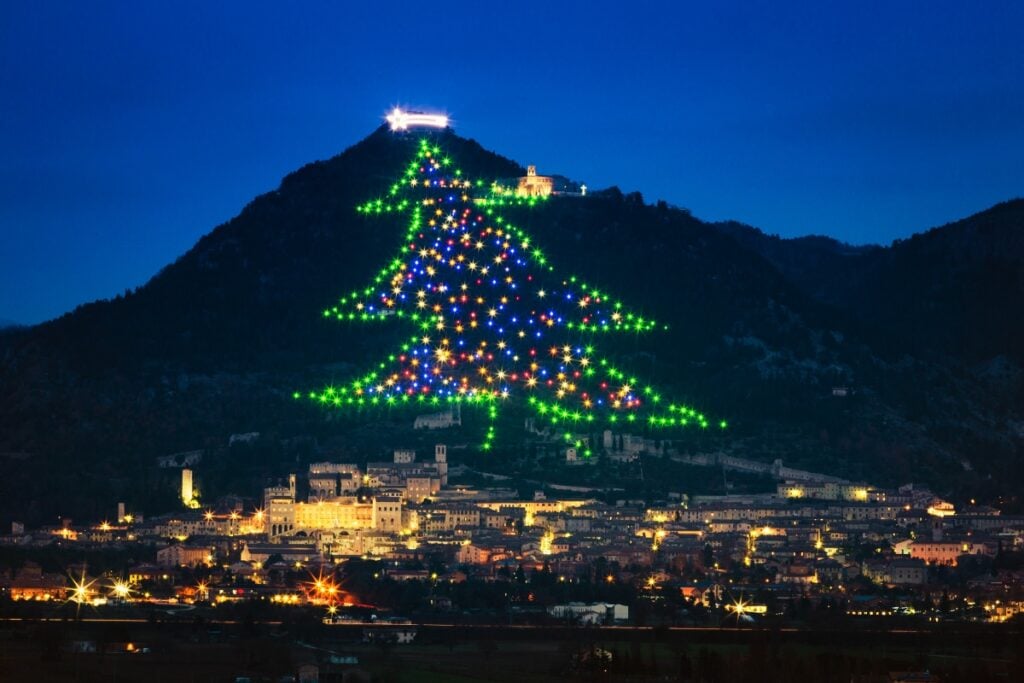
(401,120)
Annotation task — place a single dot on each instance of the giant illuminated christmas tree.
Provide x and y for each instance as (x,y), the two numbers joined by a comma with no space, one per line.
(492,320)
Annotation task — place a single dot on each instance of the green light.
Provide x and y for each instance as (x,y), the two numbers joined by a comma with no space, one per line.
(420,266)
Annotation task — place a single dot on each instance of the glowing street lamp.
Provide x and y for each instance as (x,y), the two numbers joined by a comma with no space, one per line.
(81,590)
(121,590)
(742,609)
(739,606)
(323,589)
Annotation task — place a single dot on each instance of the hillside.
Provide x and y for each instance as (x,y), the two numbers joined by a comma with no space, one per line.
(954,290)
(925,333)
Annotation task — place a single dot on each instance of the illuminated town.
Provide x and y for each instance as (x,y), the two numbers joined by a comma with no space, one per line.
(634,525)
(635,522)
(507,343)
(817,542)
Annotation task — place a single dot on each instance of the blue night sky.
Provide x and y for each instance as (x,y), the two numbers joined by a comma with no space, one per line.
(128,130)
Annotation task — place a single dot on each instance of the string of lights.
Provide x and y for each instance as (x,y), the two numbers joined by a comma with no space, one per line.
(492,320)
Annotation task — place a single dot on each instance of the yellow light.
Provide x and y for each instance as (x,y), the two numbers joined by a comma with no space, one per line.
(81,590)
(546,542)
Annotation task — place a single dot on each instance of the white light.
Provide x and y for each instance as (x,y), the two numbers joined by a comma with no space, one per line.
(404,120)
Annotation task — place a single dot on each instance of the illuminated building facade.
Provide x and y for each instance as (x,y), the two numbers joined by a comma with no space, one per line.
(945,552)
(184,556)
(31,583)
(830,490)
(533,185)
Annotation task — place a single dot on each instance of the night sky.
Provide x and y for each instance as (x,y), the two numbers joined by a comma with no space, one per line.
(126,133)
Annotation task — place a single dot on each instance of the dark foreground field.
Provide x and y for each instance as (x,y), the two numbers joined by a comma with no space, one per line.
(206,651)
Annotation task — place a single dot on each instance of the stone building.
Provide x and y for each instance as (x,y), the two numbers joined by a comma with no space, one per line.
(533,185)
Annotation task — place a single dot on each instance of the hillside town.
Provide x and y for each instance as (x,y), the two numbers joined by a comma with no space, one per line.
(401,539)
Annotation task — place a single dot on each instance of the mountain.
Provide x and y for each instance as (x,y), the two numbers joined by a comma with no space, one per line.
(760,330)
(953,289)
(809,262)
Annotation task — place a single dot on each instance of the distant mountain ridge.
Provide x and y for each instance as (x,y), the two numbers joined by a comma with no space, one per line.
(954,289)
(926,333)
